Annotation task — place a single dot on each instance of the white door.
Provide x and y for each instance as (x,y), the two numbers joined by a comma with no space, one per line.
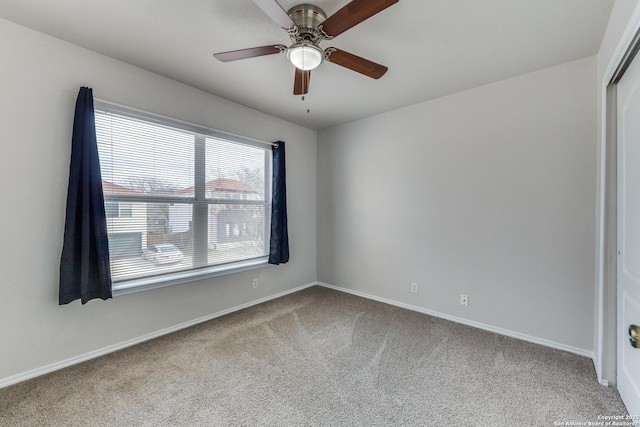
(629,235)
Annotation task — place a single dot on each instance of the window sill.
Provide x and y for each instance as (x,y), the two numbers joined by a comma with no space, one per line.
(148,283)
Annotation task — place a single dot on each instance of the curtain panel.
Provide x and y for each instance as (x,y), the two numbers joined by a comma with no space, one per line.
(85,271)
(279,244)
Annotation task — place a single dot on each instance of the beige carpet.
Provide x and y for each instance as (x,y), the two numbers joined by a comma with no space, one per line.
(319,357)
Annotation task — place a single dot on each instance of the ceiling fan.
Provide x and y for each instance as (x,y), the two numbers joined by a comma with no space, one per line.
(307,26)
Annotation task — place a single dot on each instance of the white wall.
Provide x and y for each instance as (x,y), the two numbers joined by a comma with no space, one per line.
(488,192)
(620,29)
(39,81)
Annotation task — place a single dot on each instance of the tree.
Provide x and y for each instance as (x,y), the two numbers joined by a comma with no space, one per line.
(252,177)
(151,185)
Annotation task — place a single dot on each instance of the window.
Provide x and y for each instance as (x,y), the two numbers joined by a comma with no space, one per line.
(202,195)
(118,209)
(125,209)
(111,209)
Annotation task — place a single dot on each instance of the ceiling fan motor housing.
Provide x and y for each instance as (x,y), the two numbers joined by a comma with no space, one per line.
(307,18)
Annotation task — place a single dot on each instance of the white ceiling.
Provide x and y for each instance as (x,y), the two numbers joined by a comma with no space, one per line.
(432,47)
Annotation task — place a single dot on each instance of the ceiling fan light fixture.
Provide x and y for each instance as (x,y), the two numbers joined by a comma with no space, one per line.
(305,55)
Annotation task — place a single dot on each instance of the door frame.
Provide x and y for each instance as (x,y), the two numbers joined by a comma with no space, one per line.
(605,353)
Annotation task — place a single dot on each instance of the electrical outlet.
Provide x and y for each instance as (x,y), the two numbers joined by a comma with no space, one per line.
(255,283)
(464,300)
(414,288)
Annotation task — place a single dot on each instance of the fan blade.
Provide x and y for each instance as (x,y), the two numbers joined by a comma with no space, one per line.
(301,82)
(353,14)
(252,52)
(355,63)
(273,9)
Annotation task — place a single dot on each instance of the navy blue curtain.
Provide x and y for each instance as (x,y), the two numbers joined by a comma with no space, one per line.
(85,271)
(279,248)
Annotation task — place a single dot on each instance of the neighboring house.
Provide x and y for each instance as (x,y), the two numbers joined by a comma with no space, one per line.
(169,223)
(228,223)
(132,226)
(126,222)
(231,223)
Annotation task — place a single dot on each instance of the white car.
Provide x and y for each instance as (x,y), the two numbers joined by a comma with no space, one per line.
(163,254)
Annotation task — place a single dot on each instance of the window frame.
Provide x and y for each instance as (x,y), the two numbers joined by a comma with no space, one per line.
(199,202)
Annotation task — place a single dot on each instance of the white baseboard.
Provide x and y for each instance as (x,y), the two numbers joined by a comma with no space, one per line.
(598,366)
(110,349)
(501,331)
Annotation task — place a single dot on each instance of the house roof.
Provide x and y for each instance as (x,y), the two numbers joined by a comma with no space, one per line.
(223,184)
(118,190)
(220,184)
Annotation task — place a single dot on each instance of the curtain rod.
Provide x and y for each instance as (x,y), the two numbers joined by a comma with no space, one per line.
(146,113)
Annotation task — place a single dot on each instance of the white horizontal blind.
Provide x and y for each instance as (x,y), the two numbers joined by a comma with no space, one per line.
(177,199)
